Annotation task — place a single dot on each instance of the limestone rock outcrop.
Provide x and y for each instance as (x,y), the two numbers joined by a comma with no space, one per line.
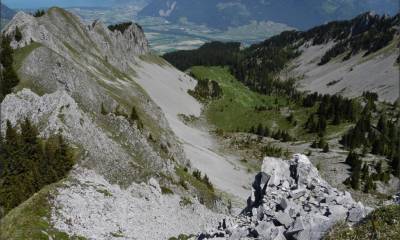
(290,200)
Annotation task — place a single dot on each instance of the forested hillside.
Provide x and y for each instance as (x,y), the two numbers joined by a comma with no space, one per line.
(28,163)
(259,65)
(363,126)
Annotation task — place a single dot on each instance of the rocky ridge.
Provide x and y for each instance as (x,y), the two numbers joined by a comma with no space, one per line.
(290,200)
(88,67)
(82,81)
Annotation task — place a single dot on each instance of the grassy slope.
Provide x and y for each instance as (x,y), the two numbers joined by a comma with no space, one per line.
(31,220)
(203,192)
(236,109)
(21,53)
(383,223)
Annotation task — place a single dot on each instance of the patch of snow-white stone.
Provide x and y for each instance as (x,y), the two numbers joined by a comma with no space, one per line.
(93,208)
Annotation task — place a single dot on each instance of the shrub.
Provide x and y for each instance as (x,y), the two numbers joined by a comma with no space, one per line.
(121,27)
(382,223)
(185,201)
(166,191)
(39,13)
(272,151)
(103,109)
(326,148)
(9,78)
(197,174)
(18,34)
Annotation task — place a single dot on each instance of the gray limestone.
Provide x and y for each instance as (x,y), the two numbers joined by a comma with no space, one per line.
(297,201)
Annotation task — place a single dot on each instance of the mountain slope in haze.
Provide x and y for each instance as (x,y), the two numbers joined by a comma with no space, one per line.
(6,15)
(232,13)
(81,81)
(23,4)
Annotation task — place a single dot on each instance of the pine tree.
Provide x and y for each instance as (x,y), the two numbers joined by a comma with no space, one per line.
(355,179)
(395,163)
(103,109)
(18,34)
(369,185)
(365,172)
(9,78)
(382,125)
(326,148)
(48,166)
(260,130)
(64,157)
(28,165)
(134,115)
(252,130)
(314,144)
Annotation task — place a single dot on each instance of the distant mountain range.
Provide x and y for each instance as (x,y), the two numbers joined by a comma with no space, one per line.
(6,12)
(23,4)
(6,15)
(301,14)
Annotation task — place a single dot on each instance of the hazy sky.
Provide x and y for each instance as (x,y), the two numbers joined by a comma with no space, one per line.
(50,3)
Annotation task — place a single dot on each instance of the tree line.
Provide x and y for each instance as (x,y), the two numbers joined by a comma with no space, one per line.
(28,163)
(8,77)
(206,90)
(380,137)
(264,131)
(121,27)
(259,65)
(332,109)
(210,54)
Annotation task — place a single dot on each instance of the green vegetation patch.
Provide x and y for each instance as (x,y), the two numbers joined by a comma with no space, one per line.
(205,193)
(152,58)
(235,110)
(383,223)
(21,54)
(182,237)
(241,109)
(31,220)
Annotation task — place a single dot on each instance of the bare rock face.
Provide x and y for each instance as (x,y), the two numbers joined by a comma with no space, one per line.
(93,65)
(59,29)
(290,200)
(59,113)
(80,81)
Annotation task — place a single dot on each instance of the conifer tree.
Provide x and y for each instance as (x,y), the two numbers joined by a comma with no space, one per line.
(28,165)
(18,34)
(103,109)
(326,148)
(8,78)
(134,115)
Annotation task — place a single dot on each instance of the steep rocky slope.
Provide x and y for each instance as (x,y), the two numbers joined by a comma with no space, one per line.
(378,72)
(82,81)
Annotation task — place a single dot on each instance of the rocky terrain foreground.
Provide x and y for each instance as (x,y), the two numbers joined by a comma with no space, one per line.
(290,200)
